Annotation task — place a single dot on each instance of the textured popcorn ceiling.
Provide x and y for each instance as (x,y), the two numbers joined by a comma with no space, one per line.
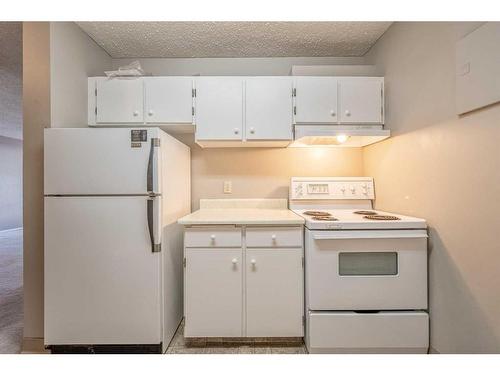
(11,91)
(234,39)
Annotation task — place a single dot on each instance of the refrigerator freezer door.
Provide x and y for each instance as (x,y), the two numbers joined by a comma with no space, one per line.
(101,161)
(102,281)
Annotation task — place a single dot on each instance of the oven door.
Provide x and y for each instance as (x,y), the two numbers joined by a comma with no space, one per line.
(366,270)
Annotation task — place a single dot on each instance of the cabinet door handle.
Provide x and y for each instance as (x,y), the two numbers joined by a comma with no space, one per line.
(136,113)
(254,262)
(212,237)
(150,113)
(252,130)
(234,261)
(332,113)
(347,113)
(236,130)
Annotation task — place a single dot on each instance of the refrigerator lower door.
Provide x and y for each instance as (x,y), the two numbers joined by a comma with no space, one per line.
(102,280)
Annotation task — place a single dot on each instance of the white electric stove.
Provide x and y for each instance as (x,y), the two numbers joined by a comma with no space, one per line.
(366,270)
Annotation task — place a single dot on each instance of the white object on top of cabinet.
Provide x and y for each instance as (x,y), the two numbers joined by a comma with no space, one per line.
(168,100)
(219,108)
(339,100)
(268,108)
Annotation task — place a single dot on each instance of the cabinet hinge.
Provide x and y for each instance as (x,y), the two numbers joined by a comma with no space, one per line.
(95,111)
(193,93)
(192,111)
(184,262)
(294,110)
(294,92)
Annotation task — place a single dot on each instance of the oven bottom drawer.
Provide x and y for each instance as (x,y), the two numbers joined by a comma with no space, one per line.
(382,332)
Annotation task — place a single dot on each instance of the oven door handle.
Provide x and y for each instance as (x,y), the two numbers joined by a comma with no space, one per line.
(372,235)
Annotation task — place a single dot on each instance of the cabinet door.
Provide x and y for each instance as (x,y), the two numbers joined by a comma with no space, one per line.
(120,100)
(213,292)
(268,108)
(316,100)
(274,293)
(168,100)
(361,100)
(219,108)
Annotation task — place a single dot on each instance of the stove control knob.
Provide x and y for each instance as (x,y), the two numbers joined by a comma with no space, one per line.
(353,189)
(342,189)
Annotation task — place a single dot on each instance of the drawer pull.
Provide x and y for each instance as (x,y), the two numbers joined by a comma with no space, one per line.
(254,262)
(212,237)
(234,261)
(273,237)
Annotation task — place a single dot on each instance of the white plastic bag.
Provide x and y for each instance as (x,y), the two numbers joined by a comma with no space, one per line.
(131,70)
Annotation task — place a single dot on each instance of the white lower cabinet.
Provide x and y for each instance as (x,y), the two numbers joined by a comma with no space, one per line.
(274,292)
(213,292)
(244,291)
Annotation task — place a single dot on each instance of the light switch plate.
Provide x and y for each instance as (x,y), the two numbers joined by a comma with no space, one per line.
(228,187)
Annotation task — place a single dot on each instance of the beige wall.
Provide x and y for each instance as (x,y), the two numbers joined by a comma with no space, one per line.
(265,173)
(36,116)
(445,169)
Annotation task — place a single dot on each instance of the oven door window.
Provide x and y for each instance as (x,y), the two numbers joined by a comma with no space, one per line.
(368,263)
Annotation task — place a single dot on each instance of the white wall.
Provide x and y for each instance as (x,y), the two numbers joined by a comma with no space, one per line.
(73,58)
(443,168)
(11,115)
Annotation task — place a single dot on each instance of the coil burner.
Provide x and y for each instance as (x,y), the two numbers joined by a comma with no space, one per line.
(368,213)
(381,217)
(317,213)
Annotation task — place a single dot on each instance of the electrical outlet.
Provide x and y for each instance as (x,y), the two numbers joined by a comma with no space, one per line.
(228,187)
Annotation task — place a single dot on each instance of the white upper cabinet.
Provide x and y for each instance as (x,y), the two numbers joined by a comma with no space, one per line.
(119,100)
(269,107)
(219,108)
(168,100)
(361,100)
(339,100)
(316,100)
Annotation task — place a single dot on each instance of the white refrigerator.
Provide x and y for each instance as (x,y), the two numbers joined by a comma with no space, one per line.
(112,247)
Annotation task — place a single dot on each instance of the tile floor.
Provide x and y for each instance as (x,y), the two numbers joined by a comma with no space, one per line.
(178,346)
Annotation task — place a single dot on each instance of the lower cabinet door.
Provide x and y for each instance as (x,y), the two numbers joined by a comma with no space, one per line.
(274,292)
(213,292)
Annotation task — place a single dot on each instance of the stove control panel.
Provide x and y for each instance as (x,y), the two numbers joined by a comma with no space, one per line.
(327,188)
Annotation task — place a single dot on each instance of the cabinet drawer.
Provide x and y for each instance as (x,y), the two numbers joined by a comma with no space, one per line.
(274,237)
(383,332)
(212,237)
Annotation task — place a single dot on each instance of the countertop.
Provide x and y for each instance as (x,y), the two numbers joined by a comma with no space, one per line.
(242,212)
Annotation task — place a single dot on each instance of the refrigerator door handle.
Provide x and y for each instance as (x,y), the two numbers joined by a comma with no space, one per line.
(155,246)
(152,180)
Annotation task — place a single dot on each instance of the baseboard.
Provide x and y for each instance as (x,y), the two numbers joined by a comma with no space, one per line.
(33,345)
(10,230)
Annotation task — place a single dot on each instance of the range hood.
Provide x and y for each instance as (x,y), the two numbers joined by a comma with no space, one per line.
(338,136)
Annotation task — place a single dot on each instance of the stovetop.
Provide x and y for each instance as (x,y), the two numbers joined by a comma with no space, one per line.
(346,218)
